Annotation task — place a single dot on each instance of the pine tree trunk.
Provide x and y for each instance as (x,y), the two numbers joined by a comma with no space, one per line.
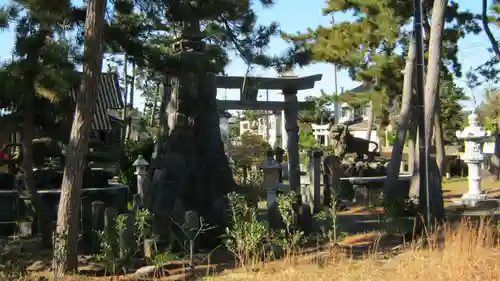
(66,247)
(496,157)
(162,132)
(487,30)
(44,223)
(130,104)
(155,105)
(125,97)
(432,93)
(412,146)
(404,122)
(415,179)
(370,124)
(440,150)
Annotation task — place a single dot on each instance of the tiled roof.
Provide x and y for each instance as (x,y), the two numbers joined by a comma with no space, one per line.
(109,97)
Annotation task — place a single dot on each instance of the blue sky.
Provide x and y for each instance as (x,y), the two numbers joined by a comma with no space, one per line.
(298,15)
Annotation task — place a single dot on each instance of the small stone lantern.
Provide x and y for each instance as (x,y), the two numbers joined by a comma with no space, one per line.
(271,169)
(141,167)
(474,136)
(230,161)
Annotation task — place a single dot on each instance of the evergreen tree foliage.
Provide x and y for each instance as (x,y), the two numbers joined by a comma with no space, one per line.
(369,47)
(450,97)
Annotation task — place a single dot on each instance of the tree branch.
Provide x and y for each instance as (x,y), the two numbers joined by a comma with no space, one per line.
(492,39)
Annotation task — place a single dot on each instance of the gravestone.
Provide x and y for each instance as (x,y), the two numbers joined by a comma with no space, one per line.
(192,225)
(98,209)
(137,202)
(312,194)
(110,233)
(127,237)
(25,229)
(305,218)
(86,225)
(149,248)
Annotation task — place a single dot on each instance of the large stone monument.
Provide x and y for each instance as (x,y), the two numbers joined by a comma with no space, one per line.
(474,136)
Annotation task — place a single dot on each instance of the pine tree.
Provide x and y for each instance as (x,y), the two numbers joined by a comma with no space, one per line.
(65,244)
(40,71)
(367,47)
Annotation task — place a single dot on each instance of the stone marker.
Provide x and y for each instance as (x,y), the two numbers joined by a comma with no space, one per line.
(192,223)
(149,248)
(110,215)
(24,229)
(98,208)
(305,218)
(137,202)
(86,225)
(127,237)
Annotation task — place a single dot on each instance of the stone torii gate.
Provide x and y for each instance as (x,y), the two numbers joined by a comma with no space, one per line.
(289,85)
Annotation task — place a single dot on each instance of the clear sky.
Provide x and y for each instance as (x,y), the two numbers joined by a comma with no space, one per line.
(298,15)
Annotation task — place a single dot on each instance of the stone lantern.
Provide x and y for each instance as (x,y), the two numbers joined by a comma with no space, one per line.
(230,161)
(141,167)
(271,184)
(474,136)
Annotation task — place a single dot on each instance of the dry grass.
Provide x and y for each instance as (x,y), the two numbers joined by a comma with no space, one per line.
(468,254)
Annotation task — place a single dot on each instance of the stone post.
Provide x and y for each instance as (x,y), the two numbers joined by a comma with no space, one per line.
(278,155)
(110,233)
(97,224)
(127,237)
(316,180)
(292,132)
(474,136)
(271,182)
(86,225)
(98,208)
(141,167)
(191,227)
(137,202)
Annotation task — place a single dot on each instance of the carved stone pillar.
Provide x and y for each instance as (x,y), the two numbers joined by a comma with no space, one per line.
(292,133)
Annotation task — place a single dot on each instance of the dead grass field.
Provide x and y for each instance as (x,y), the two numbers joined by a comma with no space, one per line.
(467,255)
(470,253)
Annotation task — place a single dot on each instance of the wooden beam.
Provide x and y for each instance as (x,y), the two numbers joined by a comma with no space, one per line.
(259,105)
(269,83)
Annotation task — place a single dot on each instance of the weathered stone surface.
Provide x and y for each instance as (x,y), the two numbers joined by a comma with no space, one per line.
(149,248)
(127,237)
(92,269)
(196,169)
(146,271)
(192,221)
(137,202)
(98,208)
(305,218)
(25,229)
(38,266)
(110,233)
(87,232)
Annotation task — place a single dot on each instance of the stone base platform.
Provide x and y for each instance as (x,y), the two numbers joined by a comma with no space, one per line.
(477,202)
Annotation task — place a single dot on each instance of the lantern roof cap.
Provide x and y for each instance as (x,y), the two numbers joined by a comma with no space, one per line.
(140,162)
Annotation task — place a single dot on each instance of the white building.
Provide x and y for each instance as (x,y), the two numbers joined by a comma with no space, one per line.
(350,113)
(271,127)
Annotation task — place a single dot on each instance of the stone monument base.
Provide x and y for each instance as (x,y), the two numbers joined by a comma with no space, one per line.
(474,200)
